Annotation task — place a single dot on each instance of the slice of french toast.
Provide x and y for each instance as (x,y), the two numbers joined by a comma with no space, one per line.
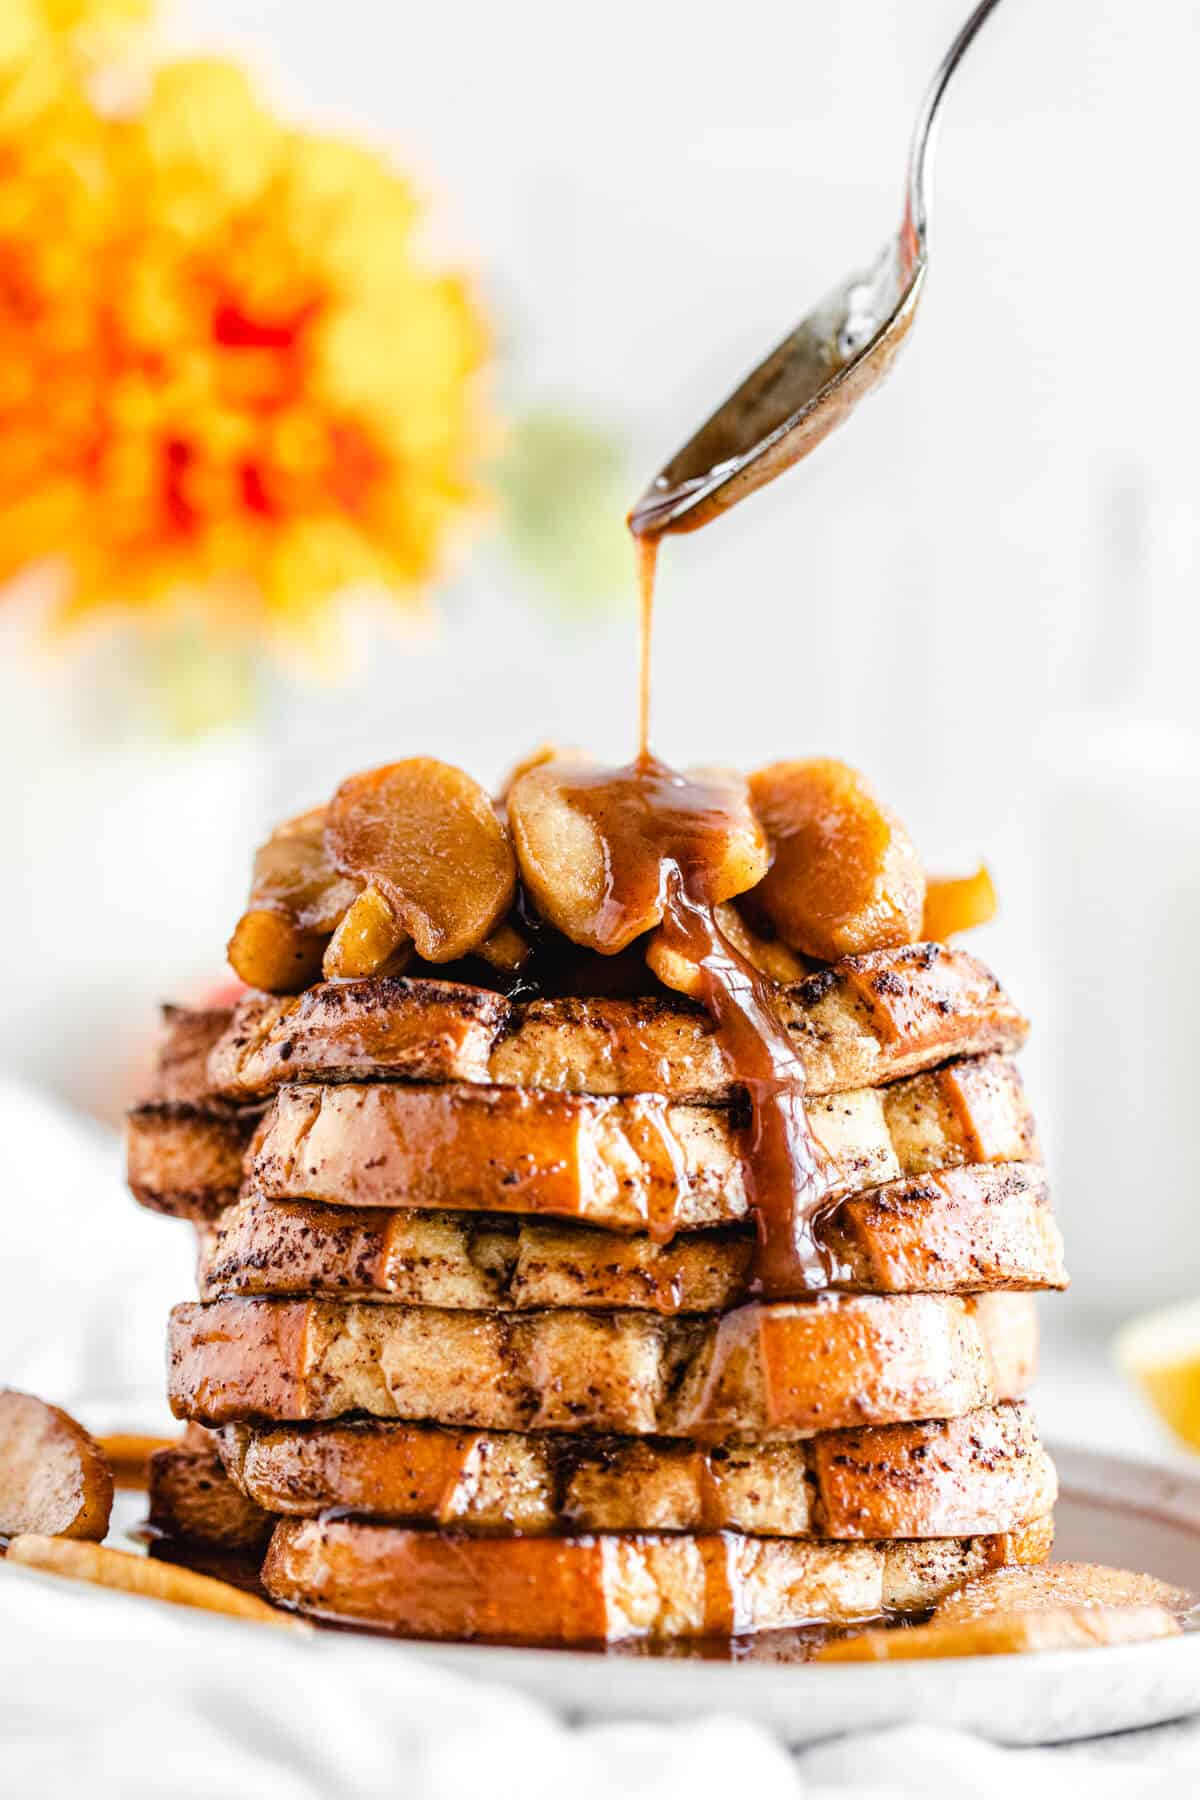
(1069,1585)
(984,1472)
(184,1162)
(1015,1609)
(788,1368)
(960,1230)
(865,1020)
(639,1163)
(188,1159)
(184,1143)
(604,1587)
(193,1500)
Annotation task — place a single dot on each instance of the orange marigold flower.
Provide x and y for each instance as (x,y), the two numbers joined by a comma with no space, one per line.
(226,372)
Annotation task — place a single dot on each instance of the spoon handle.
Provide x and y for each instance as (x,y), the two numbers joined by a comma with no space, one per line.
(818,374)
(920,156)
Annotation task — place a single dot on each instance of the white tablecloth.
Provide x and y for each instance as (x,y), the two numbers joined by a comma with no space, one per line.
(123,1698)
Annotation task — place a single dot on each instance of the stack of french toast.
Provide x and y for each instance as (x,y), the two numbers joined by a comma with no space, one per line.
(482,1347)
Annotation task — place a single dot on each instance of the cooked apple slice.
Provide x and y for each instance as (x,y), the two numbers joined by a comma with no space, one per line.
(296,900)
(369,941)
(1058,1585)
(844,876)
(673,968)
(545,753)
(957,903)
(427,839)
(768,955)
(293,872)
(560,852)
(53,1477)
(131,1574)
(507,950)
(269,952)
(592,844)
(1007,1634)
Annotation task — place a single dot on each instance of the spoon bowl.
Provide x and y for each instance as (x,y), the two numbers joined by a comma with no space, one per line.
(816,377)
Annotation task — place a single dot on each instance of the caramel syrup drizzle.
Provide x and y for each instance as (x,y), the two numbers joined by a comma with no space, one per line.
(663,834)
(784,1167)
(647,565)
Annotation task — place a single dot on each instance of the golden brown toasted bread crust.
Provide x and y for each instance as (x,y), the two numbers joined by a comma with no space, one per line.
(958,1231)
(192,1498)
(985,1472)
(788,1368)
(184,1162)
(625,1164)
(184,1143)
(868,1019)
(187,1038)
(593,1589)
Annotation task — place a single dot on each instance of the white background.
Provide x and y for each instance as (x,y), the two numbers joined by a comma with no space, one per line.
(983,591)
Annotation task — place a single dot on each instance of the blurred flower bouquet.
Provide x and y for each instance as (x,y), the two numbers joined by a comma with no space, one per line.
(230,386)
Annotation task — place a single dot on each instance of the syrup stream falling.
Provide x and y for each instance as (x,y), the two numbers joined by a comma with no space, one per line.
(647,563)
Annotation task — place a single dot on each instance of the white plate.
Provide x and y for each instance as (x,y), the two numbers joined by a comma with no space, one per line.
(1131,1514)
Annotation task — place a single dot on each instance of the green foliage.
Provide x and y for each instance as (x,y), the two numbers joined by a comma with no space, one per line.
(563,487)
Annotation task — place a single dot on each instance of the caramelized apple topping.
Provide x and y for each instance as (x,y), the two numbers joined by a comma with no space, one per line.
(507,950)
(369,941)
(844,876)
(957,903)
(271,953)
(427,839)
(594,845)
(296,900)
(769,956)
(413,859)
(294,872)
(675,970)
(545,753)
(53,1477)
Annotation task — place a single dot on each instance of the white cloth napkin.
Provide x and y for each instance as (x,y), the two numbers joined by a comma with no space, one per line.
(112,1696)
(88,1276)
(123,1697)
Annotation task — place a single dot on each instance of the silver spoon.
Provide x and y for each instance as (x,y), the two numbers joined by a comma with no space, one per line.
(817,376)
